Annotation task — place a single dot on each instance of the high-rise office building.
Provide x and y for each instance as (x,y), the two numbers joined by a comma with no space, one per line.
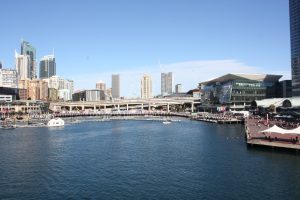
(22,63)
(0,65)
(146,87)
(295,45)
(100,85)
(178,88)
(166,83)
(28,49)
(47,66)
(115,86)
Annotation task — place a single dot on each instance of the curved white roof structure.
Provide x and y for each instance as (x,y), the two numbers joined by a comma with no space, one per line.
(265,103)
(276,129)
(292,102)
(254,77)
(279,102)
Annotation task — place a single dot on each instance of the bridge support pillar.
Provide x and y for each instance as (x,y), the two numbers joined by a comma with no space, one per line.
(95,108)
(82,108)
(118,107)
(142,107)
(149,108)
(70,108)
(168,107)
(192,107)
(127,107)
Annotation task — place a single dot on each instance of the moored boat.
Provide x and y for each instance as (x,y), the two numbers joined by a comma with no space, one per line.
(56,122)
(8,127)
(167,122)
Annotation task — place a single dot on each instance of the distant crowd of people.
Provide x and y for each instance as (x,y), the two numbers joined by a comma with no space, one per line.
(219,116)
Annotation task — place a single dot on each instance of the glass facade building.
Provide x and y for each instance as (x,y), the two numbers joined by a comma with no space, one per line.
(47,67)
(239,90)
(28,49)
(294,6)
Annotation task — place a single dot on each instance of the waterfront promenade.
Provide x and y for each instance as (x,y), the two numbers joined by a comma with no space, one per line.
(220,118)
(255,136)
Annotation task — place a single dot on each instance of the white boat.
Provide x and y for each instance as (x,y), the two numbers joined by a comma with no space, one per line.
(8,127)
(166,122)
(56,122)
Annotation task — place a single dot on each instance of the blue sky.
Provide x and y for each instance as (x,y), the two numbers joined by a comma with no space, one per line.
(196,39)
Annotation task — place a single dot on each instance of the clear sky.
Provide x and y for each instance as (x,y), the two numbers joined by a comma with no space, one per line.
(195,39)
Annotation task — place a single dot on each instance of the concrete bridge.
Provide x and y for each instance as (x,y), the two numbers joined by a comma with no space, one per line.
(127,104)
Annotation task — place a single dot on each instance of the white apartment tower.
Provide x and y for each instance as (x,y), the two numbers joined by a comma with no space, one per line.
(22,66)
(146,87)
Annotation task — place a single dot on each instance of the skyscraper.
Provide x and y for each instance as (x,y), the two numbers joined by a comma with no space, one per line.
(0,65)
(22,63)
(295,45)
(166,83)
(115,86)
(28,49)
(146,87)
(47,66)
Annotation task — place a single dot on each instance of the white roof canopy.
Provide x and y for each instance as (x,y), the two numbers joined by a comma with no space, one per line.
(276,129)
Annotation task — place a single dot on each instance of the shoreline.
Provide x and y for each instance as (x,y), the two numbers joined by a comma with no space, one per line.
(71,118)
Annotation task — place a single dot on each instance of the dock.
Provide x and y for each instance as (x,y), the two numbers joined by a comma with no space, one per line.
(254,137)
(284,145)
(218,119)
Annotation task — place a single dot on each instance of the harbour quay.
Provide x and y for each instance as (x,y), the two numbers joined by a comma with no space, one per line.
(272,133)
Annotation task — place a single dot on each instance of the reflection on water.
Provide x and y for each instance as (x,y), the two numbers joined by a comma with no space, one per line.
(142,159)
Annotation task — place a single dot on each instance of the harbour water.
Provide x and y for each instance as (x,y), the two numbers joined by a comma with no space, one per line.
(142,160)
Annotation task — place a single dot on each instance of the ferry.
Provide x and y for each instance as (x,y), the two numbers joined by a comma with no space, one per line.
(56,122)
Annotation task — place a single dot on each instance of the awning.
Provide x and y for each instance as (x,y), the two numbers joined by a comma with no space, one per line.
(276,129)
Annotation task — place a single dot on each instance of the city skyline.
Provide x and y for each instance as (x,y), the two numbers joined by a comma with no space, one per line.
(245,37)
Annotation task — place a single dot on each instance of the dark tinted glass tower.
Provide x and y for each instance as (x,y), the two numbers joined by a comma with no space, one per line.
(28,49)
(295,45)
(47,67)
